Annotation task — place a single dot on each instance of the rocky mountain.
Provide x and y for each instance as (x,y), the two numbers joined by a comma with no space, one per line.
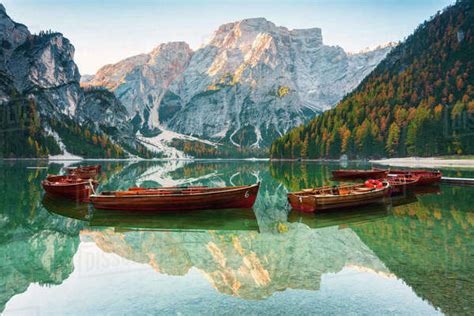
(246,264)
(141,81)
(13,35)
(257,79)
(49,113)
(418,101)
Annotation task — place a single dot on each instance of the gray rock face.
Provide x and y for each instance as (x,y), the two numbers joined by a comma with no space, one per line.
(101,108)
(258,81)
(51,58)
(141,81)
(42,67)
(12,35)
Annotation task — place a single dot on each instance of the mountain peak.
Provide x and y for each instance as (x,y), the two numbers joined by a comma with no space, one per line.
(171,46)
(244,32)
(256,78)
(256,23)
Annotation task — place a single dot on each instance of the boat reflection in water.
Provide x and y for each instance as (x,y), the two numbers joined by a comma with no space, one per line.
(418,249)
(228,248)
(66,207)
(218,220)
(354,215)
(427,189)
(342,218)
(404,199)
(225,220)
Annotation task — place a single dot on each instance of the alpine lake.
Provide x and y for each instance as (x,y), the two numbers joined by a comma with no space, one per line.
(412,256)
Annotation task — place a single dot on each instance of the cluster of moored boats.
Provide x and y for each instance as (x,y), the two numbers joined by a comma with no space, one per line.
(80,184)
(379,184)
(77,184)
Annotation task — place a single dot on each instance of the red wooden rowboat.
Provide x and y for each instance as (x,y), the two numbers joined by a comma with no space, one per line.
(174,199)
(426,176)
(85,172)
(348,195)
(359,174)
(70,187)
(402,183)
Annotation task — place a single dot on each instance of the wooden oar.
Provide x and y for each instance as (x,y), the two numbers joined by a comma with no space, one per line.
(92,186)
(168,188)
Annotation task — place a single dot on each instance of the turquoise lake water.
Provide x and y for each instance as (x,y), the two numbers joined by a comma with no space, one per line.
(413,256)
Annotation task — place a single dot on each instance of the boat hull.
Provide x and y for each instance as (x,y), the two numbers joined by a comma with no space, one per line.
(401,184)
(317,203)
(425,177)
(77,191)
(232,198)
(85,172)
(426,180)
(402,188)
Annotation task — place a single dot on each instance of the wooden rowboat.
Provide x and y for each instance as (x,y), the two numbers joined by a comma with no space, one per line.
(85,172)
(425,176)
(325,198)
(359,174)
(175,199)
(70,187)
(402,183)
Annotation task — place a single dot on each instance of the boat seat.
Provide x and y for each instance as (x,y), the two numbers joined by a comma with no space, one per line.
(363,189)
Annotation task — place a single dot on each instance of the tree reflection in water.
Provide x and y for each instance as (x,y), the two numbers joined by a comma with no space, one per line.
(424,239)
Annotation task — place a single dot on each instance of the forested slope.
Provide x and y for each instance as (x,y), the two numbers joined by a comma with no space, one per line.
(418,101)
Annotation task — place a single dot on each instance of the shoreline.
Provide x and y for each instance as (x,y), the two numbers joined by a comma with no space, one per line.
(430,162)
(409,162)
(52,160)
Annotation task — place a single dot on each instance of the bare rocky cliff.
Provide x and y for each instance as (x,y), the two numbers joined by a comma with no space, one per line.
(258,80)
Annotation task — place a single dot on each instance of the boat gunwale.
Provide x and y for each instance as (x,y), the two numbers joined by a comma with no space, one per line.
(374,170)
(241,188)
(61,184)
(83,168)
(308,194)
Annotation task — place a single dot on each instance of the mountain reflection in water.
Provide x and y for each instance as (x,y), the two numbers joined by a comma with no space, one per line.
(424,239)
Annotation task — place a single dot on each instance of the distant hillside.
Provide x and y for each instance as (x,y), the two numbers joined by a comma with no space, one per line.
(418,101)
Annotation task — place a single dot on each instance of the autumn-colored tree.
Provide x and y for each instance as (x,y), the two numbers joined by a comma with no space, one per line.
(417,101)
(393,139)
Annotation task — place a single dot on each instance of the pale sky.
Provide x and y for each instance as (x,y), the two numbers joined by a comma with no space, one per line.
(106,31)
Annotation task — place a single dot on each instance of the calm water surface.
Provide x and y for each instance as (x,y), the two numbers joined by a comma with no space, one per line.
(414,256)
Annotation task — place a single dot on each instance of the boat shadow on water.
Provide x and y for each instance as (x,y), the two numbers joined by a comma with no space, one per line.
(202,220)
(352,216)
(356,215)
(226,219)
(66,207)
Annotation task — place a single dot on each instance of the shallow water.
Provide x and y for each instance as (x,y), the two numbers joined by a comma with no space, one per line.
(413,256)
